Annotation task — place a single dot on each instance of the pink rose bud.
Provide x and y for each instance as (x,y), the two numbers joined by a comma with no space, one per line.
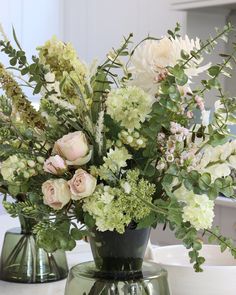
(74,148)
(55,165)
(82,184)
(56,193)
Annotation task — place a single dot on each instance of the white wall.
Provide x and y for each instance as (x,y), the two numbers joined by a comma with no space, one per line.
(95,26)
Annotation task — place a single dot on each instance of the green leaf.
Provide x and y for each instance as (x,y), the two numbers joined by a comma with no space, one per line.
(89,220)
(76,234)
(147,221)
(13,61)
(184,54)
(24,71)
(15,38)
(205,181)
(182,80)
(214,70)
(37,88)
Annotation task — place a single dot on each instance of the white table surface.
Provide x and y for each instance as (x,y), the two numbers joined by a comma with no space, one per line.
(80,254)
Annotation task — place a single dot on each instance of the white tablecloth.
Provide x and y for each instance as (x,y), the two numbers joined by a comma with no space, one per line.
(80,254)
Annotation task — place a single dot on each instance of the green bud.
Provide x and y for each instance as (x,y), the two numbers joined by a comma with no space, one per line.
(26,175)
(124,133)
(129,139)
(140,142)
(21,165)
(135,134)
(119,143)
(31,163)
(40,160)
(32,172)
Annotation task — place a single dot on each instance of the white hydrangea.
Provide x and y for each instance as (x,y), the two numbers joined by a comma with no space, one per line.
(152,57)
(198,209)
(199,212)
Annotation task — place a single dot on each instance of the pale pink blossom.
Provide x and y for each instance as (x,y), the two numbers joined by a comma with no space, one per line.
(55,165)
(82,184)
(56,193)
(74,148)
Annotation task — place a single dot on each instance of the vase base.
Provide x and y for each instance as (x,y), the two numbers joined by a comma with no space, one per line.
(23,262)
(84,279)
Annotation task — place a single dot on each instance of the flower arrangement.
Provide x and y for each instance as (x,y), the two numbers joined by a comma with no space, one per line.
(125,143)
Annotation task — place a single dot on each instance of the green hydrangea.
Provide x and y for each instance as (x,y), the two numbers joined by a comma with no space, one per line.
(62,60)
(114,208)
(17,169)
(129,106)
(116,159)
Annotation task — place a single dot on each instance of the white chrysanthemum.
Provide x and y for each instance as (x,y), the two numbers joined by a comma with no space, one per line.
(199,212)
(152,57)
(129,106)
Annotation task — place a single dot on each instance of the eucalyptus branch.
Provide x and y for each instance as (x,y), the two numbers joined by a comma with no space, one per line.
(209,42)
(222,240)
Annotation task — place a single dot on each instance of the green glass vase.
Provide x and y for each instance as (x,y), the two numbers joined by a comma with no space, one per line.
(23,262)
(119,256)
(84,279)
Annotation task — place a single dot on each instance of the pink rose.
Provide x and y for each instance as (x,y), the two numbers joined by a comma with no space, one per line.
(56,193)
(74,148)
(55,165)
(82,184)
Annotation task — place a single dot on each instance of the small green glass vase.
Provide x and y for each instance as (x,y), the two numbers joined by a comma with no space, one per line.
(23,262)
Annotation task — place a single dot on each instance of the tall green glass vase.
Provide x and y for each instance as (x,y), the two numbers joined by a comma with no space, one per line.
(23,262)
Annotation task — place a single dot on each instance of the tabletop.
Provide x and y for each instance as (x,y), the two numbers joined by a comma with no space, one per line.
(80,254)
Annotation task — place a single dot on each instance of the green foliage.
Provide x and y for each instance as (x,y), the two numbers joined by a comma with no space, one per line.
(175,33)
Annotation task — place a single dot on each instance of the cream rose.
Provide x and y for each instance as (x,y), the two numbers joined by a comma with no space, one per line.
(82,184)
(74,148)
(55,165)
(56,193)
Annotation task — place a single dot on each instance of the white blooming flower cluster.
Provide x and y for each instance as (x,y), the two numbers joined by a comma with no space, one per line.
(152,57)
(198,209)
(199,212)
(129,106)
(179,131)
